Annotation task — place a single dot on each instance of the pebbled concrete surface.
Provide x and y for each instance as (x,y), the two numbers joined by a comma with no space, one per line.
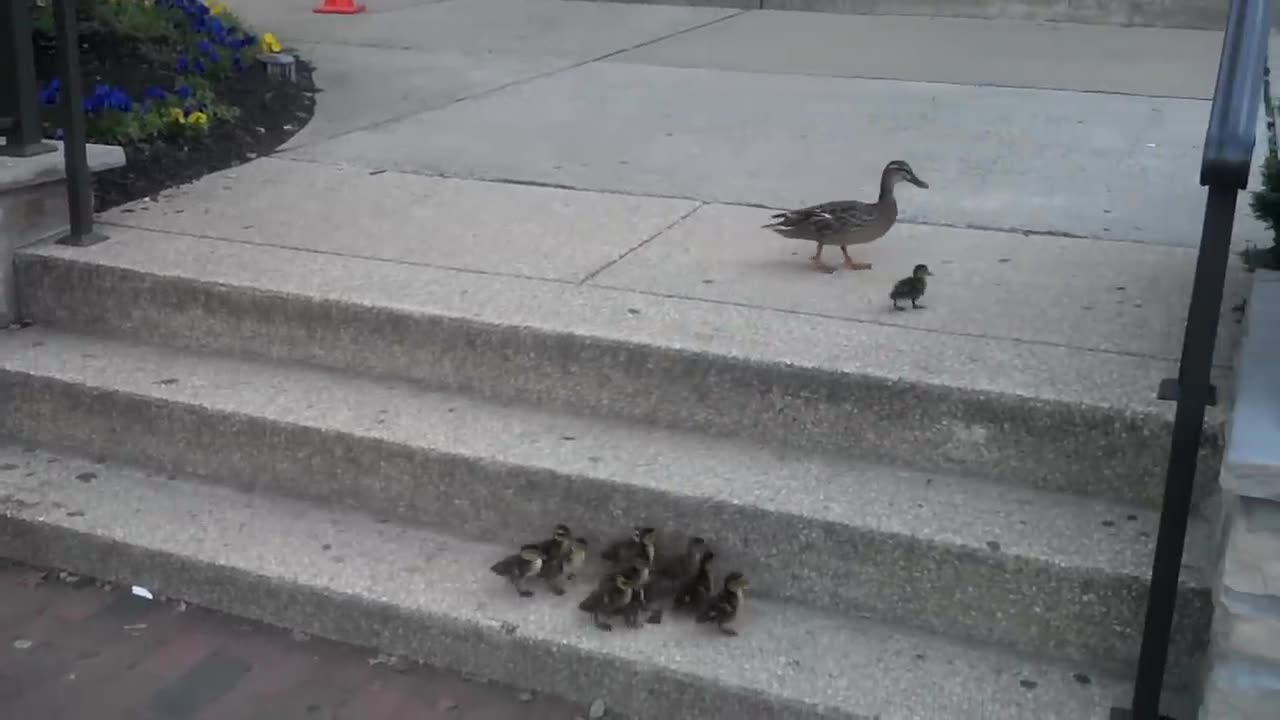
(1118,297)
(1091,165)
(990,562)
(1012,411)
(428,596)
(1108,296)
(101,652)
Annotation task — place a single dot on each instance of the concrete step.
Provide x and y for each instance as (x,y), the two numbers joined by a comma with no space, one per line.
(33,205)
(1039,572)
(1200,14)
(1032,414)
(340,574)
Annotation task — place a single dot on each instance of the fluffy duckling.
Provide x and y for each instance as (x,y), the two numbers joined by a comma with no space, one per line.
(558,545)
(911,288)
(520,567)
(642,543)
(696,590)
(611,598)
(675,570)
(562,569)
(723,608)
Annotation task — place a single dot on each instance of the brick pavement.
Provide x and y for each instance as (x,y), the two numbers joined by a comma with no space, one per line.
(74,650)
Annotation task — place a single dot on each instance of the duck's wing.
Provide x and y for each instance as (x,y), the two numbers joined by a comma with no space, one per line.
(506,566)
(824,219)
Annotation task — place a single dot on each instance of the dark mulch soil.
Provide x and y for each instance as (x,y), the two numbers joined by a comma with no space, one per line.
(271,112)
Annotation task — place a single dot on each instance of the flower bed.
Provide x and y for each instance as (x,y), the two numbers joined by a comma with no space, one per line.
(177,84)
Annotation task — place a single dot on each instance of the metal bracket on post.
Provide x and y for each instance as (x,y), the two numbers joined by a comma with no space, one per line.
(79,181)
(1170,390)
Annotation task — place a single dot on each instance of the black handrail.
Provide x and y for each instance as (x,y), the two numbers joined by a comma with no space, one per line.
(23,136)
(1224,169)
(1233,117)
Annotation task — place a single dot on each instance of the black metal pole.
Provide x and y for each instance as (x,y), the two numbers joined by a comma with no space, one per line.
(1193,395)
(79,181)
(17,55)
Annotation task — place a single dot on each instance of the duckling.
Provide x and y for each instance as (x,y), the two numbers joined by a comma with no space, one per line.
(558,545)
(675,570)
(563,568)
(695,591)
(642,543)
(847,222)
(724,607)
(611,598)
(911,288)
(519,567)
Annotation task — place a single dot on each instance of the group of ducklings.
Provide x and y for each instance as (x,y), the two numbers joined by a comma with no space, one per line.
(852,222)
(637,577)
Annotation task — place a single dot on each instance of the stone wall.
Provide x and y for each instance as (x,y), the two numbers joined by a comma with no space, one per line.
(1243,682)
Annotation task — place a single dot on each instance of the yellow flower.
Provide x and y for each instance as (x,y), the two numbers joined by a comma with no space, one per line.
(198,118)
(270,44)
(217,9)
(176,115)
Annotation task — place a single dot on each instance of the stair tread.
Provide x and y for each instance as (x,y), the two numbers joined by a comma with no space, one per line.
(1011,367)
(1061,529)
(835,666)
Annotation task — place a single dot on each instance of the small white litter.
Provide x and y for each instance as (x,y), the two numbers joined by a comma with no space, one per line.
(142,592)
(22,644)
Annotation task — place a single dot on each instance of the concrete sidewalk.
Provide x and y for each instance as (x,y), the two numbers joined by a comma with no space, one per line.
(1066,130)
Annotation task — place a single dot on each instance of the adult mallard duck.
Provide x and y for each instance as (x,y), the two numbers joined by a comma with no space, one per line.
(847,222)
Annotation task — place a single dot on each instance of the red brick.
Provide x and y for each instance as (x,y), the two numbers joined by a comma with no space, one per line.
(77,606)
(180,654)
(379,700)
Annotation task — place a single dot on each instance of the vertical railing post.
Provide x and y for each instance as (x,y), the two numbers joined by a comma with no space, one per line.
(18,90)
(79,180)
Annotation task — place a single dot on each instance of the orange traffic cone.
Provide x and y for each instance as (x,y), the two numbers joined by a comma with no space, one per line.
(340,7)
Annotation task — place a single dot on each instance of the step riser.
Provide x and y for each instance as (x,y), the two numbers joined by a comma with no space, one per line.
(645,692)
(1032,606)
(1055,446)
(1196,14)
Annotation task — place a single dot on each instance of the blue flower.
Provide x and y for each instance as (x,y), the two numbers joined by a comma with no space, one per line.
(119,101)
(217,27)
(94,103)
(155,93)
(214,57)
(51,92)
(183,92)
(102,90)
(236,64)
(183,64)
(199,66)
(205,47)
